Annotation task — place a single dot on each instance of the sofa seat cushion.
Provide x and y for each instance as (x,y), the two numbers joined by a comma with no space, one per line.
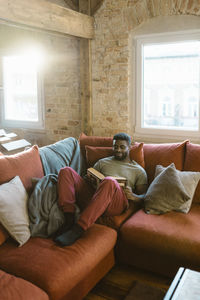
(116,222)
(55,269)
(16,288)
(161,243)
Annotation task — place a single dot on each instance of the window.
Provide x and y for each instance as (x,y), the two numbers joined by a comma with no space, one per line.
(22,95)
(167,84)
(171,71)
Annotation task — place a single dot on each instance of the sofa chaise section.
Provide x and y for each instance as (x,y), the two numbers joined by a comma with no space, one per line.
(59,270)
(62,273)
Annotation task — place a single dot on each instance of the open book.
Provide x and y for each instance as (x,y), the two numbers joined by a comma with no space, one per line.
(96,177)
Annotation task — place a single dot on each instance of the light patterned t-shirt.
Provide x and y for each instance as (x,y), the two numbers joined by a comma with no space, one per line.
(132,171)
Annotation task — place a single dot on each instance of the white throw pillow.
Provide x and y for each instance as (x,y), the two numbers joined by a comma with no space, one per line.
(13,210)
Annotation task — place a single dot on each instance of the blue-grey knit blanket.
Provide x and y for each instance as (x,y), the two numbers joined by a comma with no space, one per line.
(45,215)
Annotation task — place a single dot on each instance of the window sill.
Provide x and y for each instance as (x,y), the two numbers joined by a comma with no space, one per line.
(165,137)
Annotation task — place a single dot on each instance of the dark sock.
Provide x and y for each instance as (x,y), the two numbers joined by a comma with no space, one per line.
(69,237)
(69,222)
(69,218)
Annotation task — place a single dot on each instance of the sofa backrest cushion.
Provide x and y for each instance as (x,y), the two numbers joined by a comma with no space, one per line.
(96,141)
(192,163)
(26,164)
(93,154)
(163,154)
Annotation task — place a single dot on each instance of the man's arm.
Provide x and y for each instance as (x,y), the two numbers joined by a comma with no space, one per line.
(139,195)
(141,189)
(90,179)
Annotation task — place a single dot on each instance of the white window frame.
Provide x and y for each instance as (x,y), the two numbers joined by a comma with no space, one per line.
(138,40)
(24,124)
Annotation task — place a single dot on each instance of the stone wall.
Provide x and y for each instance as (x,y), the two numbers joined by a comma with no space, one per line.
(114,22)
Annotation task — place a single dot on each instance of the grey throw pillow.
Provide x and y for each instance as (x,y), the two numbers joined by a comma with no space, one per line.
(189,180)
(165,193)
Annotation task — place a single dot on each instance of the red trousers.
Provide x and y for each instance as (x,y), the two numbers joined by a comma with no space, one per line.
(109,199)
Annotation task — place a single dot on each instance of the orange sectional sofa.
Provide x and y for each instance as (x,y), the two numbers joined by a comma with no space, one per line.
(160,243)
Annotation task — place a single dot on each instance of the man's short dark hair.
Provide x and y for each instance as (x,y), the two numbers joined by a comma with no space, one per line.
(122,136)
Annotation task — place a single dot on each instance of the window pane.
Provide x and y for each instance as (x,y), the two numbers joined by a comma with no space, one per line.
(20,88)
(171,84)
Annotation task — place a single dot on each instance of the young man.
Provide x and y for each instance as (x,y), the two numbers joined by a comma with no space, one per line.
(109,199)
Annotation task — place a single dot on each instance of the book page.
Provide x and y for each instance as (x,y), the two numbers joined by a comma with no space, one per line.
(96,177)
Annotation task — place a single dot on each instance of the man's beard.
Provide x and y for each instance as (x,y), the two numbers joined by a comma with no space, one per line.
(121,157)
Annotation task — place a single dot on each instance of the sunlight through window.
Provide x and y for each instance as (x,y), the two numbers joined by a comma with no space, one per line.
(21,88)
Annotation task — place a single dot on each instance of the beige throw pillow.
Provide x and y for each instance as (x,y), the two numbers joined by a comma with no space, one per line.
(165,193)
(189,180)
(13,210)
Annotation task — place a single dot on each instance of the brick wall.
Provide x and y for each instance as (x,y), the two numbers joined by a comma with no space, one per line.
(62,89)
(110,68)
(110,56)
(61,82)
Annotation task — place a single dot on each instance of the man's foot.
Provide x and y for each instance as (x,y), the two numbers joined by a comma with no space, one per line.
(70,218)
(69,237)
(69,222)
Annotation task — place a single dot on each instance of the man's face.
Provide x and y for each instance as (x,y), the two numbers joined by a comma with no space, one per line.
(121,149)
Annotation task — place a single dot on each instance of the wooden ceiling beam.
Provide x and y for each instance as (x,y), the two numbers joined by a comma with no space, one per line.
(48,16)
(73,4)
(95,5)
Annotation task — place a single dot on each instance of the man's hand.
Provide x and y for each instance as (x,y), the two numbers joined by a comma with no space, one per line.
(93,181)
(131,196)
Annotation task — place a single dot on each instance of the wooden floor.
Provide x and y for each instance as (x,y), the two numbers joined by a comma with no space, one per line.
(118,282)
